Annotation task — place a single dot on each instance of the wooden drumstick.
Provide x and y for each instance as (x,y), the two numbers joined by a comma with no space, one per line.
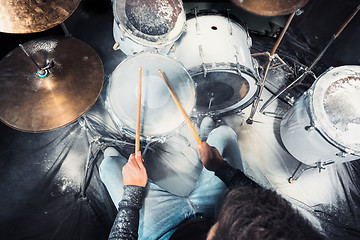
(138,115)
(182,110)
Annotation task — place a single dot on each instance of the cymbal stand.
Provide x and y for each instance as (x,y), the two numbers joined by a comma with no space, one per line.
(64,28)
(271,58)
(308,70)
(42,71)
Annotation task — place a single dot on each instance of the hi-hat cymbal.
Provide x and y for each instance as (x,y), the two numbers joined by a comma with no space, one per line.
(270,7)
(34,104)
(19,16)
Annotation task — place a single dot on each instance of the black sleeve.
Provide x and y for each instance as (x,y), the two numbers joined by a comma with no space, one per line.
(127,220)
(233,177)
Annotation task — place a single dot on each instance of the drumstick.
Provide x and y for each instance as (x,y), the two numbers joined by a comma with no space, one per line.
(138,115)
(181,109)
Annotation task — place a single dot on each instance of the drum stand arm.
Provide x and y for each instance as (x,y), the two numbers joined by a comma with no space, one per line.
(308,70)
(66,31)
(267,67)
(303,167)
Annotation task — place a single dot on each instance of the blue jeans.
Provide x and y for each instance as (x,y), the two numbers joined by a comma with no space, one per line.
(162,212)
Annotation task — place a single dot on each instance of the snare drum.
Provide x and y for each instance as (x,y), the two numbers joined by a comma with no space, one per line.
(147,25)
(324,124)
(159,114)
(216,51)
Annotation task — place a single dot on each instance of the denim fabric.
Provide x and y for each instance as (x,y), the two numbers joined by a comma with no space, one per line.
(162,211)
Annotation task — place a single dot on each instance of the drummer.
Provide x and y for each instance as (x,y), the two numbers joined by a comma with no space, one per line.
(147,211)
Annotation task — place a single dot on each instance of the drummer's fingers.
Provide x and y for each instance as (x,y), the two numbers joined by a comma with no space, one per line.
(131,158)
(139,159)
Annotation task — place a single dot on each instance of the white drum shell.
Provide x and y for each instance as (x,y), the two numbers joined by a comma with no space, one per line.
(214,43)
(212,39)
(308,146)
(301,129)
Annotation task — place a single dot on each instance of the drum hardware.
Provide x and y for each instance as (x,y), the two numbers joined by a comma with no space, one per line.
(301,168)
(309,128)
(97,145)
(270,59)
(18,16)
(66,31)
(42,72)
(38,99)
(308,70)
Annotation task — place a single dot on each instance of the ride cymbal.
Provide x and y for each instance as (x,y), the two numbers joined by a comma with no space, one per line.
(71,84)
(19,16)
(270,8)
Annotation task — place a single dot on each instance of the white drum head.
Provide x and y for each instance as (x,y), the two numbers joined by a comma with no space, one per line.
(150,22)
(159,113)
(336,107)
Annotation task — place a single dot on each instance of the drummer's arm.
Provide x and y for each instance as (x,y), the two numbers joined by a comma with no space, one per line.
(213,161)
(127,220)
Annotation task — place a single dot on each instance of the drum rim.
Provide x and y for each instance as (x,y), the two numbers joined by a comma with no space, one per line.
(216,12)
(232,68)
(314,120)
(156,41)
(122,125)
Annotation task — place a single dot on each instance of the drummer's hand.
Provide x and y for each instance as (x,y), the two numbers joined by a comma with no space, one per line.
(134,172)
(210,157)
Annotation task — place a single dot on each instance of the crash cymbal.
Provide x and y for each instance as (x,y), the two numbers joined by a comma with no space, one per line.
(70,86)
(270,8)
(19,16)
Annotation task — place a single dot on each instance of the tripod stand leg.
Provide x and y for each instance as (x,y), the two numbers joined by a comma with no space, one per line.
(268,102)
(283,63)
(271,57)
(319,56)
(298,171)
(257,99)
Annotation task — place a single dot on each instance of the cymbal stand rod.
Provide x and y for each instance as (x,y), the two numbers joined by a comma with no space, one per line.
(28,55)
(308,70)
(42,72)
(268,64)
(66,31)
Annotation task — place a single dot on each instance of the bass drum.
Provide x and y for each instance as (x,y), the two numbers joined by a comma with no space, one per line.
(324,124)
(160,115)
(147,25)
(216,51)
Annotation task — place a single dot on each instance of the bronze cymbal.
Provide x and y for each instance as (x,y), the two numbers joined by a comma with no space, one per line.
(19,16)
(34,104)
(270,7)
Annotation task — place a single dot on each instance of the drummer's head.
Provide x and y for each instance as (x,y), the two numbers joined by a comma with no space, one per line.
(259,214)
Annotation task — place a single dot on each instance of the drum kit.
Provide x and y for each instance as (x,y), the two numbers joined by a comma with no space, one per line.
(49,83)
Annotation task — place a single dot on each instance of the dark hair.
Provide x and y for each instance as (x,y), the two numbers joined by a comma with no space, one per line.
(249,213)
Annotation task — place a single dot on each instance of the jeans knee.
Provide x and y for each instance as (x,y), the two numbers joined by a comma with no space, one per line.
(224,132)
(110,164)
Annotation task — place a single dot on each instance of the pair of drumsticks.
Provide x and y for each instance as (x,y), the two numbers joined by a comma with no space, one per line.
(138,113)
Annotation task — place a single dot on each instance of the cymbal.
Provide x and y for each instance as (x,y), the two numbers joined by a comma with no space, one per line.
(19,16)
(34,104)
(270,8)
